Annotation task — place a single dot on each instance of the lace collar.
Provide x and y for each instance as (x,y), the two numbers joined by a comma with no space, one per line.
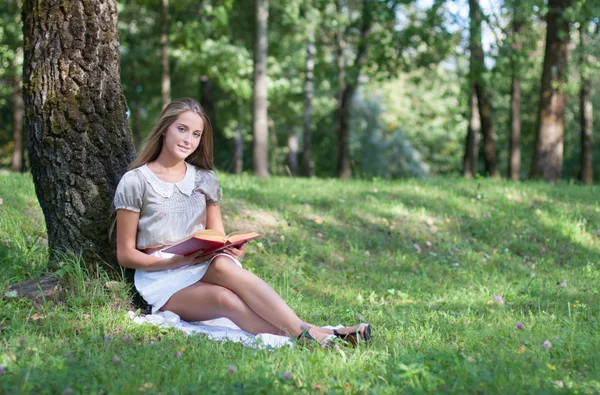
(165,189)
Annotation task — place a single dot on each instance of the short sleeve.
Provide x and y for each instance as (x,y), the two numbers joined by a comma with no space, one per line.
(211,188)
(128,195)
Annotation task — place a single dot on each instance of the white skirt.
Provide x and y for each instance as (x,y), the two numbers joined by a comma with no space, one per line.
(157,287)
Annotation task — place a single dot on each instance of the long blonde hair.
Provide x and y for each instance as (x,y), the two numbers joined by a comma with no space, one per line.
(203,155)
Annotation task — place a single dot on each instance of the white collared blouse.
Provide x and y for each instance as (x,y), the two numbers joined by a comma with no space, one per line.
(168,211)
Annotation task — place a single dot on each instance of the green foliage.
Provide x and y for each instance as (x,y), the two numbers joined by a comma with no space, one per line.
(443,269)
(10,64)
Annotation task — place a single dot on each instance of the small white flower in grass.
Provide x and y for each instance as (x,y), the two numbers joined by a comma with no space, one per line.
(22,340)
(304,326)
(178,354)
(116,359)
(563,284)
(231,369)
(519,325)
(68,390)
(106,339)
(547,344)
(286,376)
(559,384)
(498,299)
(126,339)
(2,371)
(597,232)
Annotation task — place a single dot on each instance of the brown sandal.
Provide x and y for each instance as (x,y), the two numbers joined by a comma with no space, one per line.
(361,334)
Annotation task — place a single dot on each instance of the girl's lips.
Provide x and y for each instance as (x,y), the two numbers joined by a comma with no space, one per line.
(183,148)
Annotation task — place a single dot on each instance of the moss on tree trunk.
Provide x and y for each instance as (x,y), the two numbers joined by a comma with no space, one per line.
(78,135)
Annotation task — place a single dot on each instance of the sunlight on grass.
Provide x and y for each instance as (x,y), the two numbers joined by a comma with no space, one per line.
(482,286)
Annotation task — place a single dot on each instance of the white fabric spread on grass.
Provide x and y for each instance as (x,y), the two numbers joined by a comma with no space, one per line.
(221,329)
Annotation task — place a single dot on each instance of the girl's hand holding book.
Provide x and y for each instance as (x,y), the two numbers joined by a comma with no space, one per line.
(192,259)
(236,252)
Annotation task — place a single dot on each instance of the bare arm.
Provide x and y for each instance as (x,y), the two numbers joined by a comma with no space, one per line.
(214,220)
(129,256)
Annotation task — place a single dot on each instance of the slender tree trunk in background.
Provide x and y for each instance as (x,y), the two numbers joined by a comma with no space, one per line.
(291,159)
(472,142)
(260,152)
(485,107)
(548,152)
(78,135)
(18,112)
(345,101)
(341,77)
(586,174)
(514,161)
(238,152)
(207,101)
(308,97)
(164,54)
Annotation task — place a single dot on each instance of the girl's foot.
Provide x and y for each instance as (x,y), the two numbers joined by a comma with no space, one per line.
(354,334)
(317,334)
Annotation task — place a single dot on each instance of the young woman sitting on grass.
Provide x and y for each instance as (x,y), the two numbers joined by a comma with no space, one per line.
(171,192)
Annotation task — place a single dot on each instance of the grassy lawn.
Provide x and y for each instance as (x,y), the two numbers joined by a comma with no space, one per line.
(443,269)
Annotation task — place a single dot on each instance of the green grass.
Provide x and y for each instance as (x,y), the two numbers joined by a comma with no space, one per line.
(420,260)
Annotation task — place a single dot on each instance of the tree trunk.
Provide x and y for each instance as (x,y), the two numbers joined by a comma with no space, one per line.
(259,111)
(347,89)
(308,97)
(164,54)
(472,142)
(78,136)
(514,161)
(548,151)
(485,108)
(207,101)
(585,103)
(238,152)
(291,159)
(18,112)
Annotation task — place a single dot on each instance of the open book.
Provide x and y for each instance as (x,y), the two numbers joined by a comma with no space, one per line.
(209,240)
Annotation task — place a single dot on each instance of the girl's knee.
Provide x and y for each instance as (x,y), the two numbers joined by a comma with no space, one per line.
(227,300)
(223,265)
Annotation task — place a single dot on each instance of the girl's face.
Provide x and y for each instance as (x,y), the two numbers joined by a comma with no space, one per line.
(183,136)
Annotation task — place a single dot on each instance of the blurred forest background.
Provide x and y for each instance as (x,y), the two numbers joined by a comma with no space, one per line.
(408,68)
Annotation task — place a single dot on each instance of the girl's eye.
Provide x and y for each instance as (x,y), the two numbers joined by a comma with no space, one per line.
(181,129)
(197,134)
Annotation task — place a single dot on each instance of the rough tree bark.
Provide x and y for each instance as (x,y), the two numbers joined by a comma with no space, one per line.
(165,86)
(260,153)
(514,161)
(348,87)
(18,112)
(548,151)
(308,98)
(485,108)
(472,142)
(586,174)
(78,136)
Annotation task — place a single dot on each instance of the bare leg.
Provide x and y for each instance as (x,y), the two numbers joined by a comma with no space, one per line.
(259,296)
(203,301)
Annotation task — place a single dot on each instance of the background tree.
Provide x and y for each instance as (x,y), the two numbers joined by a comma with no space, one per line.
(259,101)
(164,53)
(548,151)
(483,101)
(586,174)
(79,142)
